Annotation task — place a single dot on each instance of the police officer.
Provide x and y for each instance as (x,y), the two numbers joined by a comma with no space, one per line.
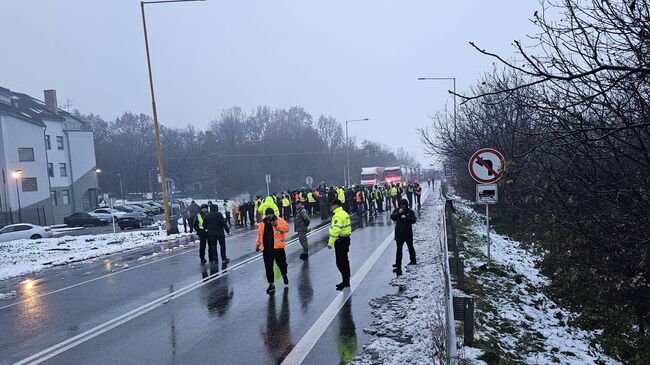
(340,232)
(201,231)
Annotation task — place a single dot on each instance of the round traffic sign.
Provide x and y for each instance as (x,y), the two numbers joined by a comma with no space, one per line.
(486,166)
(309,180)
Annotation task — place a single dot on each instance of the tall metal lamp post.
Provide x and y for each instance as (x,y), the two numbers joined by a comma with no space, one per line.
(16,175)
(445,79)
(161,165)
(347,145)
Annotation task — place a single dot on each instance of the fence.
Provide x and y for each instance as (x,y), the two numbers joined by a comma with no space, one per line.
(458,307)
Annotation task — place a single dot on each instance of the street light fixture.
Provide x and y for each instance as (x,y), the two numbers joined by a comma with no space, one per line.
(156,126)
(445,79)
(347,144)
(16,174)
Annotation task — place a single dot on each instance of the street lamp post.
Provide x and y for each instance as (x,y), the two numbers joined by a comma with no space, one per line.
(445,79)
(97,171)
(16,174)
(161,165)
(347,145)
(121,188)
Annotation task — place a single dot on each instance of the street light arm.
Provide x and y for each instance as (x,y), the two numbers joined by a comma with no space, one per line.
(168,1)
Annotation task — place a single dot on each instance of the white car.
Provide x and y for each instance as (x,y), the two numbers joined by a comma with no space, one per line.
(24,230)
(107,213)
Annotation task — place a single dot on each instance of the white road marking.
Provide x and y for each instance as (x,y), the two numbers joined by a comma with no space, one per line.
(308,341)
(112,274)
(72,342)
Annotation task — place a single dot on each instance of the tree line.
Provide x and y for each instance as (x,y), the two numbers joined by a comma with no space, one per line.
(233,155)
(570,112)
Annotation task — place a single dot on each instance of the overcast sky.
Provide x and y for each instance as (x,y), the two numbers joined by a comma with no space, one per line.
(348,59)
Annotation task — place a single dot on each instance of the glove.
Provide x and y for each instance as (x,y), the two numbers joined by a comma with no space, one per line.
(329,247)
(257,249)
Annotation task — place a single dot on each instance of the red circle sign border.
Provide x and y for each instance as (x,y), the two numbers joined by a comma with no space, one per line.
(474,157)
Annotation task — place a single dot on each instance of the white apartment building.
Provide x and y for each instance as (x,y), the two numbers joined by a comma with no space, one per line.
(47,157)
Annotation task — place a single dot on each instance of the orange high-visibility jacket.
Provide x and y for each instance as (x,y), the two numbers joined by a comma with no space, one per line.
(279,232)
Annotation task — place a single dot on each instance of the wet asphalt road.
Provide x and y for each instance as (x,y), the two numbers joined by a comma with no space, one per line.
(225,318)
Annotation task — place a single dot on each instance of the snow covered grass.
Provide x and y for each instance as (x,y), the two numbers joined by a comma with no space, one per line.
(409,325)
(516,322)
(21,257)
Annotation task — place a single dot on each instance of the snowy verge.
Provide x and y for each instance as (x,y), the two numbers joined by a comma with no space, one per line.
(26,256)
(409,325)
(516,322)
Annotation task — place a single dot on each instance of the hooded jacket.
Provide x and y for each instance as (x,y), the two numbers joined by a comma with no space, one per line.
(403,226)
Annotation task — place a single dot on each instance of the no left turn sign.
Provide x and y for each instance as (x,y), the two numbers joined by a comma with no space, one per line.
(486,166)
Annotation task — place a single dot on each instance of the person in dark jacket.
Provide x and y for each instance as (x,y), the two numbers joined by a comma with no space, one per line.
(404,218)
(193,210)
(199,226)
(251,212)
(301,225)
(215,224)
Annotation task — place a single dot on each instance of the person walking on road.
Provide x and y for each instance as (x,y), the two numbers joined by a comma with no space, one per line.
(418,195)
(215,224)
(340,232)
(201,231)
(271,241)
(404,218)
(226,212)
(193,210)
(409,194)
(301,225)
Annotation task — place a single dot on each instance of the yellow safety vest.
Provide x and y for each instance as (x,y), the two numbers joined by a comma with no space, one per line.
(310,198)
(285,202)
(200,219)
(340,227)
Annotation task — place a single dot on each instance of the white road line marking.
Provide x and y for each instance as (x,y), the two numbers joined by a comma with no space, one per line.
(112,274)
(308,341)
(63,346)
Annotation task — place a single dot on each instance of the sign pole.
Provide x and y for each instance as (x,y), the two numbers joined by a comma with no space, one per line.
(487,219)
(112,216)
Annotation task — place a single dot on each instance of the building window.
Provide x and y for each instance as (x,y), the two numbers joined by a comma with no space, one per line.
(63,170)
(25,154)
(65,197)
(48,145)
(29,184)
(50,169)
(59,142)
(53,197)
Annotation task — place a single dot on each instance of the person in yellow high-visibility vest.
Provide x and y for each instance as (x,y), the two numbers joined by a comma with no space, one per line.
(201,231)
(340,232)
(311,201)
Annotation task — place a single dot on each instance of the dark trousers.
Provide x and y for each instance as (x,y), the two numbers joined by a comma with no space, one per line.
(341,249)
(409,196)
(251,217)
(400,246)
(203,240)
(228,219)
(212,247)
(190,221)
(417,198)
(279,256)
(394,200)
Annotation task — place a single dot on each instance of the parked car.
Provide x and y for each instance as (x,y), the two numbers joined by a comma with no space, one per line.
(135,208)
(108,213)
(85,219)
(153,210)
(23,231)
(134,220)
(123,208)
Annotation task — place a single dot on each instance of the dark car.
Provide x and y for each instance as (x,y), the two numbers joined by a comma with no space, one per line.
(134,220)
(84,219)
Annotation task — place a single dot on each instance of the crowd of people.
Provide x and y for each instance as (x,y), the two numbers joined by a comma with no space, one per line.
(272,215)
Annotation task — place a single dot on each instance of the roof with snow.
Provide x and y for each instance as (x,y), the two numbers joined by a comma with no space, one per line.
(30,109)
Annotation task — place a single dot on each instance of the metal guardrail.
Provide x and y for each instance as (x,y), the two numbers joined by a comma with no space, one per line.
(459,308)
(452,351)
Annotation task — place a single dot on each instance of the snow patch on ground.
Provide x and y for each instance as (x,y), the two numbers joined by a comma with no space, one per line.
(4,296)
(21,257)
(515,315)
(408,324)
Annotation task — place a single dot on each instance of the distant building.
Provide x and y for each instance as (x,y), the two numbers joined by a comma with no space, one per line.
(47,157)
